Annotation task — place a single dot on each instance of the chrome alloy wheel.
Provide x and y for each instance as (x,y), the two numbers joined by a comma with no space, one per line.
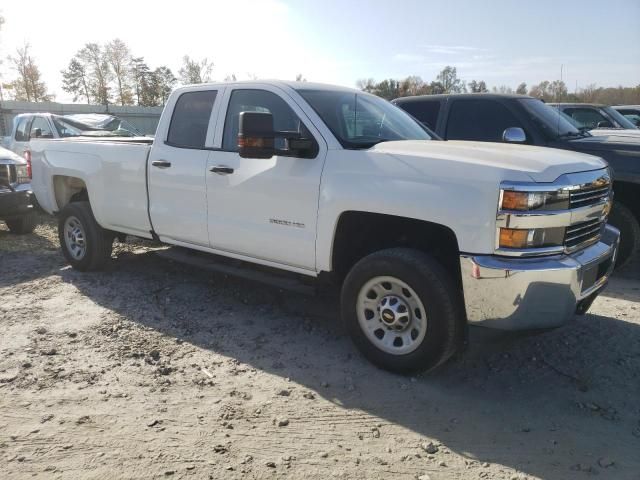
(391,315)
(75,238)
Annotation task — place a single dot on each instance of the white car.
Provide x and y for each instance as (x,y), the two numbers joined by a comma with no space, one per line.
(332,184)
(29,126)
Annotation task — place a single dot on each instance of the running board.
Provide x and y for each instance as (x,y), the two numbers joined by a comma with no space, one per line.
(238,268)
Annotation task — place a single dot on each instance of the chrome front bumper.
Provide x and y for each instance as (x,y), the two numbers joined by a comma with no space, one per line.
(531,293)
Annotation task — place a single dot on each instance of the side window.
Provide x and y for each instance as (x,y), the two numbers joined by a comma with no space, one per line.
(284,118)
(479,119)
(21,130)
(425,112)
(190,120)
(586,117)
(41,124)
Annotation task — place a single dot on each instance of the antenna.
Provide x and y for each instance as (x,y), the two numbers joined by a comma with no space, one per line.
(556,95)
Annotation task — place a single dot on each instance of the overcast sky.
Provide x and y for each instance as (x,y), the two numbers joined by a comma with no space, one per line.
(339,41)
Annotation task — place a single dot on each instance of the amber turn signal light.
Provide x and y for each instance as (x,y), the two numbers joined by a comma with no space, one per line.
(513,238)
(515,200)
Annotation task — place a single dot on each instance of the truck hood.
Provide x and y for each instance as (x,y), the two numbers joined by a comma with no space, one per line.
(607,143)
(539,164)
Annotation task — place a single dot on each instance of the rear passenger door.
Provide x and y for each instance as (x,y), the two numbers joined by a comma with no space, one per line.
(177,166)
(481,120)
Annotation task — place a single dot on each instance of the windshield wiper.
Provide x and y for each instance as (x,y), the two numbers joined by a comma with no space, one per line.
(579,134)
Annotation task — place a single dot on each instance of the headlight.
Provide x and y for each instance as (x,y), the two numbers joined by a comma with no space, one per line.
(534,201)
(22,174)
(531,238)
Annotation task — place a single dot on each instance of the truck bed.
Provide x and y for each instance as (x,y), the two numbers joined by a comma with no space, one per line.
(112,170)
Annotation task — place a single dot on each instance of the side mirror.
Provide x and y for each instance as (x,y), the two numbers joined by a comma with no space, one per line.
(514,135)
(37,132)
(256,135)
(605,124)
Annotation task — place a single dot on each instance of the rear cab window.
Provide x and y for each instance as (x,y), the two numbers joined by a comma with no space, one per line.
(425,112)
(190,119)
(21,130)
(482,120)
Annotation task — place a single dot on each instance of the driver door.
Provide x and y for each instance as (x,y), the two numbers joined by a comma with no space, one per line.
(265,209)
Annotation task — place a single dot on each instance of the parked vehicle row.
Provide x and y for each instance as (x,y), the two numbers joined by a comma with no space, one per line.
(524,120)
(29,126)
(424,237)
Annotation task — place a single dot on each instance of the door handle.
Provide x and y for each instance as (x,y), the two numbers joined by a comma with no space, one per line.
(161,163)
(221,170)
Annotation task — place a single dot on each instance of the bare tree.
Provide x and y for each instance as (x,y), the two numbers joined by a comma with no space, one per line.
(29,85)
(75,81)
(502,89)
(139,72)
(93,57)
(118,56)
(195,71)
(165,81)
(522,89)
(478,87)
(449,80)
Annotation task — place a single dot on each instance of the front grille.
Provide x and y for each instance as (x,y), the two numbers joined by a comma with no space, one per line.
(589,196)
(5,176)
(596,192)
(582,234)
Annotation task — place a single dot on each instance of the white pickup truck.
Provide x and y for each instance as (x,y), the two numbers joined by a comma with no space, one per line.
(424,236)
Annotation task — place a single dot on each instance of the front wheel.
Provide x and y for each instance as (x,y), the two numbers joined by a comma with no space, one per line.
(85,244)
(624,220)
(403,310)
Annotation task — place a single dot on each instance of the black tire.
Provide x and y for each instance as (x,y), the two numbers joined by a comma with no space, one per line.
(438,293)
(22,225)
(624,220)
(98,241)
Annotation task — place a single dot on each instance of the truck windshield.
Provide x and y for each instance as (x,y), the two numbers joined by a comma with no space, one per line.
(623,121)
(550,120)
(362,121)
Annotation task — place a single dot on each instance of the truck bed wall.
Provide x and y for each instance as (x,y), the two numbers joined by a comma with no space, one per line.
(114,173)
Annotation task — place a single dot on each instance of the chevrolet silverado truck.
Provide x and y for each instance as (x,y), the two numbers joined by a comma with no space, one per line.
(424,237)
(16,198)
(519,119)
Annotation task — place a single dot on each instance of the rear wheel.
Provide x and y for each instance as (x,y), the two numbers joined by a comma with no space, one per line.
(402,310)
(85,244)
(624,220)
(22,225)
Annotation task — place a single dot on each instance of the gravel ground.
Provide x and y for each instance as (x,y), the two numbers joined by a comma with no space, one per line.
(156,370)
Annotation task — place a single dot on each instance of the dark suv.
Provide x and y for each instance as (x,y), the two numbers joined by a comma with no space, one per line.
(16,198)
(526,120)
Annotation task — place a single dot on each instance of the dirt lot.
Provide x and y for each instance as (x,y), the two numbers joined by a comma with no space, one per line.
(155,370)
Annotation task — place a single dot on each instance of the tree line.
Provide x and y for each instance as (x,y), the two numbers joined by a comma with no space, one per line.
(447,81)
(110,74)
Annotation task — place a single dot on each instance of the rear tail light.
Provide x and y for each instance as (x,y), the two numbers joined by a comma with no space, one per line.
(27,157)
